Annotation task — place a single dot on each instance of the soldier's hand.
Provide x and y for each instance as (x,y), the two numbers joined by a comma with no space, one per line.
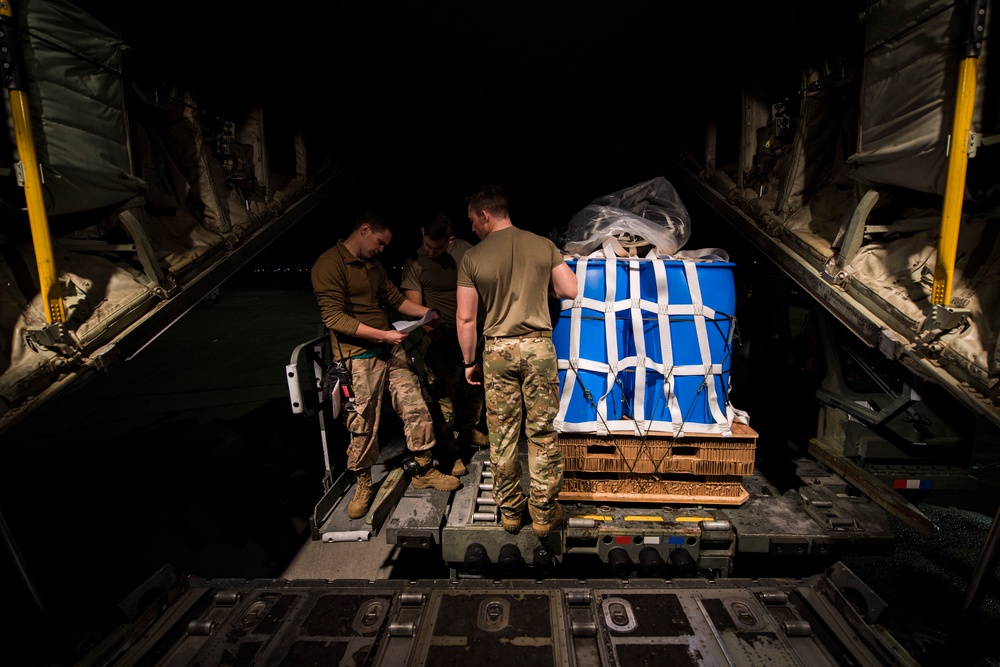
(474,375)
(393,337)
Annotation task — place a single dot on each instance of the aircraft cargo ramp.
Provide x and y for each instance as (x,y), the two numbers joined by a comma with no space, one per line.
(827,619)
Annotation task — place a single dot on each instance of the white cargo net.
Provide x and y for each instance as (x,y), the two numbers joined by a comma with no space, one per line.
(663,310)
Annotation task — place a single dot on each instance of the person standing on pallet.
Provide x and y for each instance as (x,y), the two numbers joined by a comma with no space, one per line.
(351,287)
(429,278)
(514,272)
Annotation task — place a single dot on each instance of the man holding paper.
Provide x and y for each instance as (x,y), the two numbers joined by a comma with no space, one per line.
(429,278)
(351,287)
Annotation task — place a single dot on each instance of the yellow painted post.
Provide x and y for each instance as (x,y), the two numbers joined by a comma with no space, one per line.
(48,277)
(954,192)
(958,155)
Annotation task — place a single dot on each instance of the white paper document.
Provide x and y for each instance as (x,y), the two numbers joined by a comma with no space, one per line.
(406,326)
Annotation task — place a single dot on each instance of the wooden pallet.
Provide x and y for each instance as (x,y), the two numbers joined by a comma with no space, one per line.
(660,489)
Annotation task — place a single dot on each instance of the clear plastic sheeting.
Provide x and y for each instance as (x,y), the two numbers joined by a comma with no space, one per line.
(649,214)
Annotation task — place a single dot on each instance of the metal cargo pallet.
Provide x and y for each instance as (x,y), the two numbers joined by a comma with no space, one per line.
(802,511)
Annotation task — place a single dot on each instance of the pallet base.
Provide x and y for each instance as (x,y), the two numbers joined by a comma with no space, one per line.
(659,489)
(658,498)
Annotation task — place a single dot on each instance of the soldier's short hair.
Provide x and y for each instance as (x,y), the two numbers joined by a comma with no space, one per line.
(373,220)
(439,227)
(490,198)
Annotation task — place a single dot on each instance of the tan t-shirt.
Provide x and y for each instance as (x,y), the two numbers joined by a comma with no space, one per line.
(435,279)
(511,270)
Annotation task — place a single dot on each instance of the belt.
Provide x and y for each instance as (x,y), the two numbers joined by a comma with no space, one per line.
(530,334)
(370,352)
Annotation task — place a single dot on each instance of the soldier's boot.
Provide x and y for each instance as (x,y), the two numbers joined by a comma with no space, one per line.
(544,529)
(512,522)
(451,452)
(363,495)
(431,478)
(473,438)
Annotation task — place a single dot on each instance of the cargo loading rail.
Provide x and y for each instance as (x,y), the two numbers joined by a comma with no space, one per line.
(808,512)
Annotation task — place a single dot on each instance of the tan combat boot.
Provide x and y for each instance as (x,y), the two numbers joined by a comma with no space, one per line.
(363,495)
(544,529)
(451,452)
(432,479)
(512,523)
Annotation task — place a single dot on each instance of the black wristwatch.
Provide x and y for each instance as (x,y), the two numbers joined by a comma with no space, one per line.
(470,364)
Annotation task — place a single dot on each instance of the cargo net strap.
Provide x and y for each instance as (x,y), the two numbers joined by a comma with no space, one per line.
(575,363)
(639,308)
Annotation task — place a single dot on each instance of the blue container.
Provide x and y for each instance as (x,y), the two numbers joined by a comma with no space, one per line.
(669,354)
(696,355)
(590,389)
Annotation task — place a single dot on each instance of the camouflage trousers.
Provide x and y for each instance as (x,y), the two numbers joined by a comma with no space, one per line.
(522,383)
(458,404)
(370,377)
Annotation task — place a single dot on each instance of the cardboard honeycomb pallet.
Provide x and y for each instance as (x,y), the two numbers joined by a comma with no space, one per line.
(657,468)
(631,488)
(693,454)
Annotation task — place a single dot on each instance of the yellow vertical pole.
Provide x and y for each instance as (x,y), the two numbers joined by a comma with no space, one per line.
(958,154)
(48,277)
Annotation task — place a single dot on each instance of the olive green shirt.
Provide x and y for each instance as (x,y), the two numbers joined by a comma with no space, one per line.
(351,291)
(435,278)
(511,269)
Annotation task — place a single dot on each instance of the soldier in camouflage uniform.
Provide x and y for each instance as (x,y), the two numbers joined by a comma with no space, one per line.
(514,272)
(352,287)
(429,278)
